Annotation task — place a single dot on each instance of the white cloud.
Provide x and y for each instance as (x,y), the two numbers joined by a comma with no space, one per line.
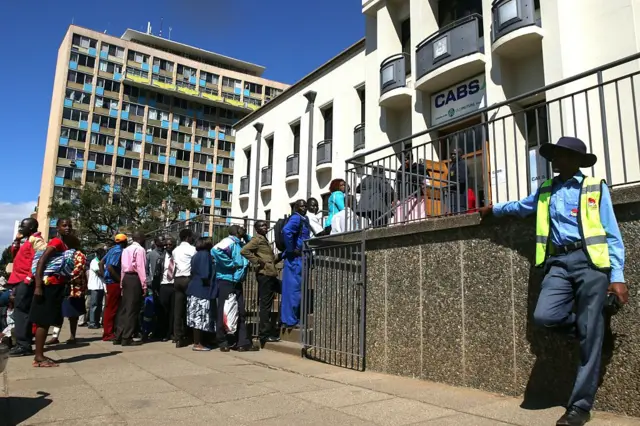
(9,213)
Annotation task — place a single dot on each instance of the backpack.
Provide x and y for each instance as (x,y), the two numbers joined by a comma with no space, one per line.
(277,231)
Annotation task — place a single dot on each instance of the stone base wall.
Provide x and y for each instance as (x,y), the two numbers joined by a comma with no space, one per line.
(451,300)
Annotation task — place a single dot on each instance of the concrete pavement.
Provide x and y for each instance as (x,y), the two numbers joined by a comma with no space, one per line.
(155,384)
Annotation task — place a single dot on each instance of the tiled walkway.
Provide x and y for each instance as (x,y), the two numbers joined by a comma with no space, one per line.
(156,384)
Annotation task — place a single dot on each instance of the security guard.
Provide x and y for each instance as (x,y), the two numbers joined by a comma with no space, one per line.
(578,243)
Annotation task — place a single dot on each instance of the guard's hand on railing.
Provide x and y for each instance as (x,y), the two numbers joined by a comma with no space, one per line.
(485,211)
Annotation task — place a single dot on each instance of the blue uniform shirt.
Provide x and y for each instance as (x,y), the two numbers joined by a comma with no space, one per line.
(112,258)
(565,199)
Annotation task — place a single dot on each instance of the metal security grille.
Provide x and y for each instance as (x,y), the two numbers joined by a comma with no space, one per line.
(333,303)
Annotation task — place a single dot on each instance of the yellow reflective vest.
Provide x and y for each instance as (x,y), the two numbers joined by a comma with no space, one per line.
(594,237)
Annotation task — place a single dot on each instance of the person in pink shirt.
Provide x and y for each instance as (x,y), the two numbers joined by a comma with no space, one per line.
(134,286)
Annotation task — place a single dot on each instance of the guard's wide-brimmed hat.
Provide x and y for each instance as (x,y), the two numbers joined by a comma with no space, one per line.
(569,143)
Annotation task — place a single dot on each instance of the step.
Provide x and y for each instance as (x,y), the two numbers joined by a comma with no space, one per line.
(293,335)
(290,348)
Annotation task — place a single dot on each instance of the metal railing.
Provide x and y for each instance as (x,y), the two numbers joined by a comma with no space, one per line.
(244,185)
(323,152)
(510,15)
(358,137)
(265,176)
(497,160)
(293,165)
(333,303)
(394,71)
(453,41)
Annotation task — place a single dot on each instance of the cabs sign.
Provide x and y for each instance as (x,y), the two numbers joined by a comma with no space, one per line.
(461,99)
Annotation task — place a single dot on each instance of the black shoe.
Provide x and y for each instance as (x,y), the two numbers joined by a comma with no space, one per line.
(117,342)
(18,351)
(93,327)
(181,343)
(84,324)
(272,339)
(574,417)
(131,343)
(225,349)
(248,348)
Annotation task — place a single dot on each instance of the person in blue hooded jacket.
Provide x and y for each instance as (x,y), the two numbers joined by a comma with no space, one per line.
(231,270)
(294,233)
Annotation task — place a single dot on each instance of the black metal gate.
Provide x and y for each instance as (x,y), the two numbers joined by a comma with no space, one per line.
(334,302)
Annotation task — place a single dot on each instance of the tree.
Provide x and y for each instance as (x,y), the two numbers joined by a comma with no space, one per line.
(99,216)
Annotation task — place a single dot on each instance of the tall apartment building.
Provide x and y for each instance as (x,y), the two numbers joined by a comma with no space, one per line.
(142,108)
(422,65)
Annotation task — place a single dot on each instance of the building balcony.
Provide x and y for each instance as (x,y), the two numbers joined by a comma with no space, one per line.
(323,155)
(452,54)
(293,168)
(395,82)
(358,137)
(517,28)
(244,187)
(265,178)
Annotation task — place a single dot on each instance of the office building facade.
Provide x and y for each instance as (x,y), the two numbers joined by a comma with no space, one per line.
(423,65)
(140,109)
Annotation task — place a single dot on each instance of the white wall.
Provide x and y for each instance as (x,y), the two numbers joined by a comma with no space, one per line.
(336,87)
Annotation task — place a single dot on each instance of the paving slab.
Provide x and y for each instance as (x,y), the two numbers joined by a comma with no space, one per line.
(342,396)
(158,384)
(396,411)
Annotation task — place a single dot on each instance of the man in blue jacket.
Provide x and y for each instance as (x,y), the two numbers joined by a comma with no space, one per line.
(231,270)
(294,233)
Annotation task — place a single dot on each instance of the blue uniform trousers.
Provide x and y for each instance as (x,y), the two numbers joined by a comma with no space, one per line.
(291,285)
(571,280)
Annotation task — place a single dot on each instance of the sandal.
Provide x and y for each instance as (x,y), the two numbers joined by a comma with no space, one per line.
(46,363)
(53,341)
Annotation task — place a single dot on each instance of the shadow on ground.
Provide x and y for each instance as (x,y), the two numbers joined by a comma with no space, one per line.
(15,410)
(85,357)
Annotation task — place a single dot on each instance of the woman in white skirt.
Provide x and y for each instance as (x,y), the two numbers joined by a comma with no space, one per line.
(200,293)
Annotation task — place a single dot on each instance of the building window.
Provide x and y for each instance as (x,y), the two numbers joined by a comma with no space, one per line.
(110,85)
(74,114)
(153,168)
(140,58)
(451,11)
(83,60)
(101,159)
(112,50)
(104,121)
(133,109)
(133,92)
(185,73)
(110,67)
(225,146)
(129,145)
(164,65)
(72,154)
(152,149)
(158,115)
(102,102)
(127,163)
(139,73)
(178,172)
(157,132)
(126,181)
(267,215)
(223,179)
(102,140)
(182,120)
(269,142)
(78,96)
(97,177)
(295,129)
(84,42)
(79,78)
(180,103)
(231,83)
(205,125)
(253,88)
(130,126)
(69,173)
(227,163)
(327,115)
(210,78)
(73,134)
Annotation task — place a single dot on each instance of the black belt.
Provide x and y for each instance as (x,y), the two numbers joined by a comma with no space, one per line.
(566,249)
(131,273)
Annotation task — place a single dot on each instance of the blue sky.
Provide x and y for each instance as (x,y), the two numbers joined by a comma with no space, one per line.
(289,37)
